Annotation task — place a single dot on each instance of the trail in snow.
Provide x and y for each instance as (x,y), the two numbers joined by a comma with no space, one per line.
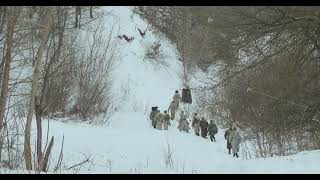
(135,147)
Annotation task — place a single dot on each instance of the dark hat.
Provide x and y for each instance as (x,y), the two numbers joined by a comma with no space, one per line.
(177,91)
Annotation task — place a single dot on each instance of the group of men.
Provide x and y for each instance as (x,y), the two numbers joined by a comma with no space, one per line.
(162,120)
(204,127)
(200,125)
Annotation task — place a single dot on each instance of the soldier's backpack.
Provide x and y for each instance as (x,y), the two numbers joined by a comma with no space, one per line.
(195,121)
(186,96)
(153,114)
(215,129)
(204,124)
(167,118)
(155,108)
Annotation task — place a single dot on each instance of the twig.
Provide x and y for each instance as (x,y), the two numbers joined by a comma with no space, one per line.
(60,156)
(46,157)
(79,163)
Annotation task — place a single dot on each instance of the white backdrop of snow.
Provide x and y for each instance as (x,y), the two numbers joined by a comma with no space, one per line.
(130,145)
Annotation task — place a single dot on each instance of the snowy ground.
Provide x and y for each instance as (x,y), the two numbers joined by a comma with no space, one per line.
(128,144)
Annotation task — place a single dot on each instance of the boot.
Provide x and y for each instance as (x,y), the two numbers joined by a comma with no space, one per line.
(237,155)
(234,154)
(229,151)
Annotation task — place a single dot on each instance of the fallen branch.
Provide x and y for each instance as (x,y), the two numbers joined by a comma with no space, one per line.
(79,163)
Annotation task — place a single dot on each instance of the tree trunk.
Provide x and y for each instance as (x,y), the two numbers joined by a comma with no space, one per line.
(27,149)
(13,16)
(77,20)
(91,15)
(3,17)
(46,157)
(38,112)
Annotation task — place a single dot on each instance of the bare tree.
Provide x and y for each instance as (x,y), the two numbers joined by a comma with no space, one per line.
(46,23)
(155,55)
(12,20)
(91,15)
(93,74)
(78,16)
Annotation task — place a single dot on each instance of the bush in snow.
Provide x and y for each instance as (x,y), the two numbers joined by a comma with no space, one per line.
(155,55)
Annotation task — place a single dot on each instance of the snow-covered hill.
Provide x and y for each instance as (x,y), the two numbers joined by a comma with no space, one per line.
(128,144)
(148,84)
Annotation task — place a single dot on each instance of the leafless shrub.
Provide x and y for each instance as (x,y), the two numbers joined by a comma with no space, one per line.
(137,106)
(167,154)
(93,75)
(10,149)
(155,55)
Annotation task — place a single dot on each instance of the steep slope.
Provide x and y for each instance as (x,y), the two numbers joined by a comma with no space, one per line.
(128,144)
(148,84)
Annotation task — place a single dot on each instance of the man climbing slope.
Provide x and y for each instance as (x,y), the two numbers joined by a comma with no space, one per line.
(176,98)
(172,108)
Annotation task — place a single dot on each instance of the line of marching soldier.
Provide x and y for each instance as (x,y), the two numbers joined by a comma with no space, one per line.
(199,124)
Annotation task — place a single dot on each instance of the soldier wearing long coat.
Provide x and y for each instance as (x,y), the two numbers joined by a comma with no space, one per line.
(172,108)
(176,97)
(183,123)
(213,129)
(227,137)
(165,120)
(204,127)
(235,140)
(158,120)
(196,124)
(152,116)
